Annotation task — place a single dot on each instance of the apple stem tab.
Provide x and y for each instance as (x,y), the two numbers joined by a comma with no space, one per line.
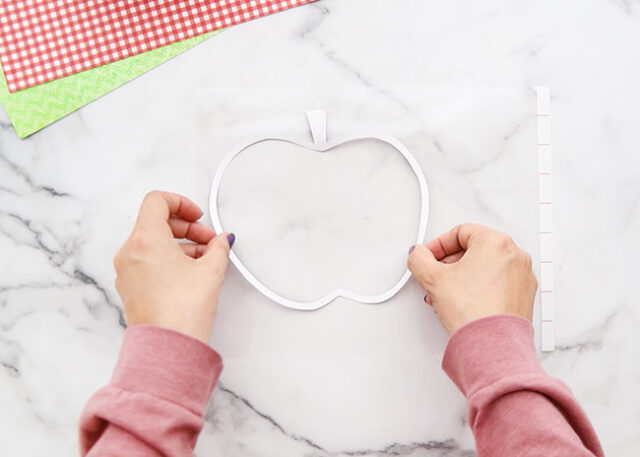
(317,119)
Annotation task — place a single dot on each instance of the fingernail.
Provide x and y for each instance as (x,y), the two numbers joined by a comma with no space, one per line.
(412,248)
(231,238)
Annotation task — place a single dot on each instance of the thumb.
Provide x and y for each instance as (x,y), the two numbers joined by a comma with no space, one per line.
(424,266)
(216,255)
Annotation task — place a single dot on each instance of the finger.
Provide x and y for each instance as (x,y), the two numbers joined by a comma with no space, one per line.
(427,300)
(193,231)
(455,240)
(216,254)
(453,258)
(424,265)
(157,207)
(193,250)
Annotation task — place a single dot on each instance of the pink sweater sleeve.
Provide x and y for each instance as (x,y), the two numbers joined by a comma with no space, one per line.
(155,402)
(514,408)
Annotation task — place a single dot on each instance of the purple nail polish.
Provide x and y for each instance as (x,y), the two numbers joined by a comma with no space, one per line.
(412,248)
(231,238)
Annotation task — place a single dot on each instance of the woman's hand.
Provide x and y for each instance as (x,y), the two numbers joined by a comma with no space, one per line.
(472,272)
(167,284)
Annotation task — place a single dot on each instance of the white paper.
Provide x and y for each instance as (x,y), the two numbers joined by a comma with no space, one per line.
(546,218)
(548,336)
(546,276)
(544,130)
(543,100)
(545,190)
(480,161)
(545,204)
(544,158)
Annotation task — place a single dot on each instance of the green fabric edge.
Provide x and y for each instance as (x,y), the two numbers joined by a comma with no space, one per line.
(32,109)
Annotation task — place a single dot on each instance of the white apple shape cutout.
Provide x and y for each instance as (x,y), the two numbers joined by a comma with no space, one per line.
(318,125)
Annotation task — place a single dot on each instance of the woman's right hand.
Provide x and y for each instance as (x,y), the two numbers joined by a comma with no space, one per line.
(167,284)
(473,272)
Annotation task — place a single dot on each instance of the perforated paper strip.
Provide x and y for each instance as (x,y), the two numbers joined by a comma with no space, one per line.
(545,205)
(45,40)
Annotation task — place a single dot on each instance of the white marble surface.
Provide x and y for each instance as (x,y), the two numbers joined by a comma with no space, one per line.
(450,79)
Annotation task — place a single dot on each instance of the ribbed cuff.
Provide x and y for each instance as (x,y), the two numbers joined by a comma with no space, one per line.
(489,349)
(169,365)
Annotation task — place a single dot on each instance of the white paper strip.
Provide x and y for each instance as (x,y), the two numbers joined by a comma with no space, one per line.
(543,100)
(546,219)
(545,191)
(317,120)
(546,306)
(546,247)
(546,276)
(544,130)
(545,205)
(544,159)
(548,336)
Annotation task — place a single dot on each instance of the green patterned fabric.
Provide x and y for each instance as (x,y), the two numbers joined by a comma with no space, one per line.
(31,109)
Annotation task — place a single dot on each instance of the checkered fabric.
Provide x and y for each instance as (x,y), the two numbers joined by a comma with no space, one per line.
(43,40)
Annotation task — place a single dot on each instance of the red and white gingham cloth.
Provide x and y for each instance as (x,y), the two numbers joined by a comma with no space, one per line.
(43,40)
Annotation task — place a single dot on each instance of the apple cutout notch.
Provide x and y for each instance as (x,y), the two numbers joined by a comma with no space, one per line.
(317,120)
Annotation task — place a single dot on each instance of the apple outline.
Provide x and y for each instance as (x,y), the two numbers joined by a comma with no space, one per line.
(317,123)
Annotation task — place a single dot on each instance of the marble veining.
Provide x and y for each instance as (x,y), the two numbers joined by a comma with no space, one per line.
(453,81)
